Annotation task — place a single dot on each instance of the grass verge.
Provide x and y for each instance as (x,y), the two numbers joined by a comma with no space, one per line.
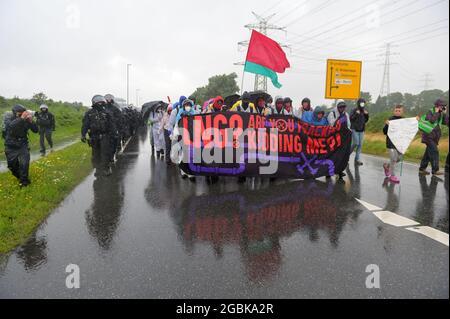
(61,135)
(52,177)
(375,144)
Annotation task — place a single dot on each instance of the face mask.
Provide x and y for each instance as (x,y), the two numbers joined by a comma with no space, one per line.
(187,108)
(362,104)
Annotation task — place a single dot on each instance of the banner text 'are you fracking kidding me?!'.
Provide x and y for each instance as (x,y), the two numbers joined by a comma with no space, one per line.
(244,144)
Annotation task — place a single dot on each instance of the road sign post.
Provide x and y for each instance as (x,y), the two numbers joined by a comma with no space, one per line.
(343,79)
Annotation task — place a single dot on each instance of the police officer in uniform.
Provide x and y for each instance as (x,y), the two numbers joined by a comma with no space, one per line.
(97,122)
(116,116)
(15,133)
(46,123)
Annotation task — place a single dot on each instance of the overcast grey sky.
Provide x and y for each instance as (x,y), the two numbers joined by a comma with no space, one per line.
(72,49)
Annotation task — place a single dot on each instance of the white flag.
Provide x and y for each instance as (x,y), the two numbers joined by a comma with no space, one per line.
(402,132)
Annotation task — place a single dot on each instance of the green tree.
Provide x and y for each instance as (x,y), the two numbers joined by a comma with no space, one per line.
(3,102)
(224,85)
(410,102)
(395,99)
(427,98)
(39,98)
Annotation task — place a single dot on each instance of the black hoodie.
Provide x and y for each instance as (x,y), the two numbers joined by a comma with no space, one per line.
(358,121)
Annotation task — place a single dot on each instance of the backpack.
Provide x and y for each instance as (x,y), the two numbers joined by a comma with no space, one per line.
(98,121)
(7,118)
(426,126)
(43,119)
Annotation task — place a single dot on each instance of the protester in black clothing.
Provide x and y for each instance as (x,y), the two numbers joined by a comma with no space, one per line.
(116,115)
(97,122)
(46,123)
(358,119)
(15,133)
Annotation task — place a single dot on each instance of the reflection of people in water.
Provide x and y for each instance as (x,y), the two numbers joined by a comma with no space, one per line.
(164,185)
(33,253)
(257,220)
(354,181)
(425,205)
(392,200)
(103,217)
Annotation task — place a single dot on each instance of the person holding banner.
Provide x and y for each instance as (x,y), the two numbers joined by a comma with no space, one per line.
(394,155)
(278,108)
(216,105)
(339,113)
(288,106)
(305,108)
(261,106)
(186,109)
(244,104)
(430,125)
(316,118)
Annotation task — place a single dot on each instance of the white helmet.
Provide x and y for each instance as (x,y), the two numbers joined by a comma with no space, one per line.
(98,99)
(109,98)
(43,106)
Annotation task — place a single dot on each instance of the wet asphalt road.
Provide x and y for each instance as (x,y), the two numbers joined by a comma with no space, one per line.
(146,233)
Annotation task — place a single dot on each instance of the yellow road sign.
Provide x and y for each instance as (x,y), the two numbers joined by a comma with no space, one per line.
(343,79)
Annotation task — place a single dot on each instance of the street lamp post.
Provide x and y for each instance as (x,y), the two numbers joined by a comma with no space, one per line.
(128,84)
(137,97)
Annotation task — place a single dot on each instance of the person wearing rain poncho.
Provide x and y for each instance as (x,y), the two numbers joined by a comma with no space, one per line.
(216,105)
(261,106)
(186,109)
(173,116)
(317,117)
(278,107)
(155,120)
(287,106)
(304,109)
(165,129)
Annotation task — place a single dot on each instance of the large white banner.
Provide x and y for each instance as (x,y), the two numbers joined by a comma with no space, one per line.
(402,132)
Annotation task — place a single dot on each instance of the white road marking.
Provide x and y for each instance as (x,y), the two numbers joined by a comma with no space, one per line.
(368,205)
(394,219)
(431,233)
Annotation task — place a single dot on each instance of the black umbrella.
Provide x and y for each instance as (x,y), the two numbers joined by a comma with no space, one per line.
(152,107)
(231,99)
(254,95)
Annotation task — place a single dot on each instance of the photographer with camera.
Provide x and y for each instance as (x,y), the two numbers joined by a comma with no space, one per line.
(430,126)
(17,150)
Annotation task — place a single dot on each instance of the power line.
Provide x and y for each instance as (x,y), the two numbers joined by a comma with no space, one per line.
(424,39)
(313,11)
(272,7)
(371,48)
(328,23)
(396,19)
(291,11)
(345,23)
(385,23)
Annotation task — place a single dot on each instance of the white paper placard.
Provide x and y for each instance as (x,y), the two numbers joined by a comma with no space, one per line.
(402,132)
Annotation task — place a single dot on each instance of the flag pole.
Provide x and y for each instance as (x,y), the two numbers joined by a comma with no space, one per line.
(242,82)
